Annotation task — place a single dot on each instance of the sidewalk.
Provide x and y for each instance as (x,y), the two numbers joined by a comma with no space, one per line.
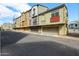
(68,37)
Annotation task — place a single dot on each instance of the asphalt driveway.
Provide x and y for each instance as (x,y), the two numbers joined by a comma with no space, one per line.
(21,44)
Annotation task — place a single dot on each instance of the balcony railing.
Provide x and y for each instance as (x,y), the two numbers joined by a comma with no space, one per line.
(55,19)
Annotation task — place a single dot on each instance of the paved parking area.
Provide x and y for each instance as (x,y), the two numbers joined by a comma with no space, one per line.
(25,44)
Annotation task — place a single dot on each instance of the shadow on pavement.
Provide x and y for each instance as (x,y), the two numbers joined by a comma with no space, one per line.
(45,48)
(8,37)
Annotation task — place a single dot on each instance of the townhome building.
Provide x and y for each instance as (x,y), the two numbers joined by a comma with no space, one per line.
(25,21)
(17,23)
(22,22)
(35,11)
(42,20)
(50,21)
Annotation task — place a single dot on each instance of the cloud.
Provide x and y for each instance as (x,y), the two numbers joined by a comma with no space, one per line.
(12,10)
(13,1)
(17,6)
(39,1)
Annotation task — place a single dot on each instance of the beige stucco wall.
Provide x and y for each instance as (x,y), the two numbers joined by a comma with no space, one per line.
(38,9)
(45,18)
(17,25)
(23,20)
(42,9)
(63,30)
(27,18)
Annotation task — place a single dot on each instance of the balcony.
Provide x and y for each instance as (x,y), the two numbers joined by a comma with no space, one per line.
(55,19)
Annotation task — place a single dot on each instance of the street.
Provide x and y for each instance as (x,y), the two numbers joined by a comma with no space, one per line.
(24,44)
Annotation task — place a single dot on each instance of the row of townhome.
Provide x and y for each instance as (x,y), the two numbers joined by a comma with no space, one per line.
(40,19)
(22,23)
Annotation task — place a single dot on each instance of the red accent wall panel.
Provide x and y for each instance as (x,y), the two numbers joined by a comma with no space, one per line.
(55,19)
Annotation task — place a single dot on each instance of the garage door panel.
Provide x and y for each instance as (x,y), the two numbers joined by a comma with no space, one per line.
(50,31)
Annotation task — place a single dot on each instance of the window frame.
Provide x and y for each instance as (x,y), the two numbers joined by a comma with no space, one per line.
(33,11)
(54,13)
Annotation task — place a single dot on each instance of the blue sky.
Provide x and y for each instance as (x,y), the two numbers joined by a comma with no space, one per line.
(72,9)
(10,11)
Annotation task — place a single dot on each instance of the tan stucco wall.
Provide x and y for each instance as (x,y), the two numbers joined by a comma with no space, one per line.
(22,21)
(45,18)
(38,9)
(63,30)
(42,9)
(17,22)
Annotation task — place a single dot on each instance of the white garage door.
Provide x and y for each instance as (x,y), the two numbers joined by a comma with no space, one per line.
(50,30)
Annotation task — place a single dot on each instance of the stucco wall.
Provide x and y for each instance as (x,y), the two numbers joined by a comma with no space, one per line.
(42,9)
(45,18)
(38,9)
(17,23)
(22,21)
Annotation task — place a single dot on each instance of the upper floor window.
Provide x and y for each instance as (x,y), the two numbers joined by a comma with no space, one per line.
(33,11)
(76,25)
(55,14)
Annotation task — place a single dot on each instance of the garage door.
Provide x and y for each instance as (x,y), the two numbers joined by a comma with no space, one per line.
(50,30)
(35,29)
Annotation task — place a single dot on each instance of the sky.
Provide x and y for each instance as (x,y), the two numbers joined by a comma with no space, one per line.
(10,11)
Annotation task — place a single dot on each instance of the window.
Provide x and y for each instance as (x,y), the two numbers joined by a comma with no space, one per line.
(52,14)
(75,25)
(55,17)
(55,14)
(35,21)
(33,11)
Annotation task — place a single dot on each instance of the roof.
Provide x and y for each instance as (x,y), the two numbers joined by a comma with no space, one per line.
(25,12)
(77,21)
